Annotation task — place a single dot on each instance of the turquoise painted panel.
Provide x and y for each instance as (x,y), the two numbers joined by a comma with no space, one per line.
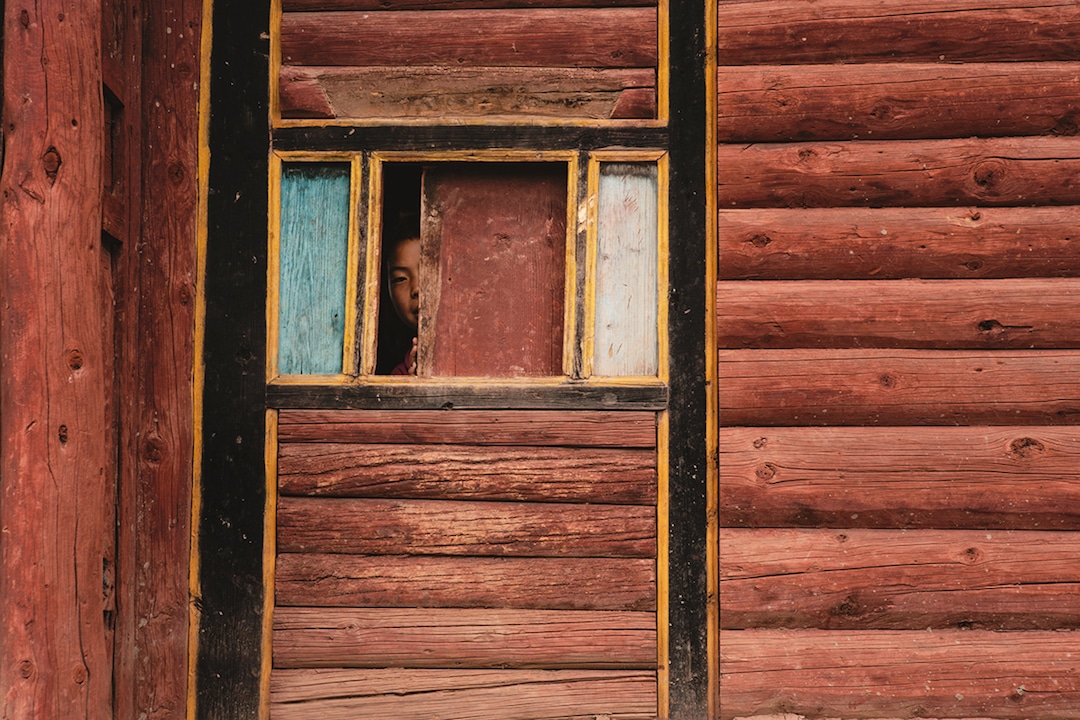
(314,247)
(625,332)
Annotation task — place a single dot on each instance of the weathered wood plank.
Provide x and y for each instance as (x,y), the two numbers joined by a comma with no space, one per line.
(806,31)
(627,257)
(474,427)
(463,638)
(944,673)
(895,579)
(946,477)
(786,103)
(892,243)
(899,387)
(494,246)
(309,5)
(578,37)
(460,694)
(56,434)
(450,472)
(940,314)
(437,527)
(360,92)
(979,171)
(313,249)
(512,583)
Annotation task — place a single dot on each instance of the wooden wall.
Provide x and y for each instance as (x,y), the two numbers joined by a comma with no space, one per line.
(347,59)
(897,302)
(483,564)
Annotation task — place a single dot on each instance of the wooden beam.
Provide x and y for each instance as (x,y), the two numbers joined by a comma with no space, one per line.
(942,673)
(906,477)
(899,387)
(463,638)
(895,579)
(938,314)
(468,472)
(892,243)
(805,31)
(992,171)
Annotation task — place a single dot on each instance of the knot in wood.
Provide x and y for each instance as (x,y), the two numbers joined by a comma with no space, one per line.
(887,381)
(989,174)
(971,555)
(760,240)
(79,674)
(1024,448)
(75,360)
(62,434)
(766,472)
(51,162)
(760,443)
(26,667)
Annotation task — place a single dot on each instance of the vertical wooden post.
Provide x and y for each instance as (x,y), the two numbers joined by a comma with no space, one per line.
(55,506)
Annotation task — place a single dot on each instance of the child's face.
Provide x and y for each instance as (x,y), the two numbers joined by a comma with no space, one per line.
(404,278)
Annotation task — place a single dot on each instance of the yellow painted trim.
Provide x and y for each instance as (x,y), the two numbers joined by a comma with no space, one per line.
(662,249)
(712,374)
(372,269)
(663,63)
(490,121)
(348,350)
(275,62)
(269,562)
(495,155)
(662,565)
(570,280)
(592,239)
(198,374)
(273,268)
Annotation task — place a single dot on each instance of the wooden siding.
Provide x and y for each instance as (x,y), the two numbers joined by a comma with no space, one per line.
(480,551)
(897,201)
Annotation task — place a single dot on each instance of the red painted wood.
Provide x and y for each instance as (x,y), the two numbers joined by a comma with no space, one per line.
(497,234)
(630,429)
(56,500)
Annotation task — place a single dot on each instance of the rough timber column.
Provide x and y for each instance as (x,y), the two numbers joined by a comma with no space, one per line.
(56,497)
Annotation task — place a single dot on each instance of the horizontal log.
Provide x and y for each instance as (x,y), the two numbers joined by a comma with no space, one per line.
(877,101)
(978,171)
(913,477)
(941,314)
(517,583)
(463,638)
(437,527)
(546,37)
(882,673)
(899,387)
(400,92)
(895,579)
(807,31)
(472,427)
(468,472)
(345,694)
(893,243)
(309,5)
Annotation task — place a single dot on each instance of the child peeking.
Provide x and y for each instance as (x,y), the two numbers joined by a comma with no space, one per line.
(403,280)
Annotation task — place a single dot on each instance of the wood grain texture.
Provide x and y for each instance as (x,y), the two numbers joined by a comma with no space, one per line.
(579,37)
(805,31)
(411,92)
(895,243)
(475,427)
(895,579)
(971,314)
(461,694)
(492,300)
(475,582)
(903,101)
(943,673)
(990,171)
(899,387)
(439,527)
(56,503)
(466,472)
(463,638)
(313,250)
(627,260)
(916,477)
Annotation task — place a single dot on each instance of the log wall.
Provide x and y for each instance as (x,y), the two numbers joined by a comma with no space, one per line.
(896,326)
(485,564)
(408,59)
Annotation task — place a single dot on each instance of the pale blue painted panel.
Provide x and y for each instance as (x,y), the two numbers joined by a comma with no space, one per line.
(314,250)
(625,333)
